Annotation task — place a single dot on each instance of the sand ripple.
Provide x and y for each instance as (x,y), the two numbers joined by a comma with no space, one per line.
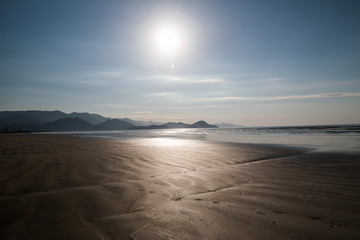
(63,187)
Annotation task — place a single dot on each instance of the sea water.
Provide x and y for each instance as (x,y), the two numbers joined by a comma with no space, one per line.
(342,138)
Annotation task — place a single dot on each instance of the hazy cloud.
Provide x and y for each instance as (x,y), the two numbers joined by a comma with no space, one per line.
(143,112)
(163,94)
(313,96)
(193,80)
(209,80)
(321,95)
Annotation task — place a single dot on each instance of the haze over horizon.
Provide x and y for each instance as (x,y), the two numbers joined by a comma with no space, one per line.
(254,63)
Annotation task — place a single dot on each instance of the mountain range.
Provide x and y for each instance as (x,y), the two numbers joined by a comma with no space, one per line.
(60,121)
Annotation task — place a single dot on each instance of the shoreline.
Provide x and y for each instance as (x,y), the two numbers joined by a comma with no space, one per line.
(314,141)
(66,187)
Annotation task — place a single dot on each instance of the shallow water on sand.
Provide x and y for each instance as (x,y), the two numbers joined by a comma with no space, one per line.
(163,187)
(317,138)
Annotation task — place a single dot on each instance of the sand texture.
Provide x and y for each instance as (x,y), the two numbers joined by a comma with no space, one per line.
(64,187)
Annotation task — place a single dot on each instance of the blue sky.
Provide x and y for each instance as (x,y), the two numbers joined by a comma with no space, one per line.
(245,62)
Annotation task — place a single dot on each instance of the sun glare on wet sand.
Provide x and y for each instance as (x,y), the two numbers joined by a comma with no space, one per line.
(168,142)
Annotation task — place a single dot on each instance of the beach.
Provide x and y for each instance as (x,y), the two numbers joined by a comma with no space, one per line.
(74,187)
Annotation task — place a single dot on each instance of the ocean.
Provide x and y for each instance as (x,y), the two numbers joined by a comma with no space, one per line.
(334,138)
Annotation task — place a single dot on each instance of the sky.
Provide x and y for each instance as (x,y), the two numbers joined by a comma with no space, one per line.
(254,63)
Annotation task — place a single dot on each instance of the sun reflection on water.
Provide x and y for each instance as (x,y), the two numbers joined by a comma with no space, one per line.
(168,142)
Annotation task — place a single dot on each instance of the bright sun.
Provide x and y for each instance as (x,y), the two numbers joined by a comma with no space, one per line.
(168,40)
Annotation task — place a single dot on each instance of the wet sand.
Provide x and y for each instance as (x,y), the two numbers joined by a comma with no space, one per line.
(64,187)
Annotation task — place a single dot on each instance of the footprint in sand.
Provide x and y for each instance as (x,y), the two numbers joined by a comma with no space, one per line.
(335,225)
(278,212)
(260,213)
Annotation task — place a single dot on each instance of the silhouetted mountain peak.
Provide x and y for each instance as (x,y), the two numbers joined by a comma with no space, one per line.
(115,124)
(58,121)
(202,124)
(68,124)
(176,125)
(89,117)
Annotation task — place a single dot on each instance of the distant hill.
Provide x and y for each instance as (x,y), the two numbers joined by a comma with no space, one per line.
(148,123)
(50,116)
(176,125)
(140,123)
(20,119)
(199,124)
(202,124)
(114,124)
(89,117)
(59,121)
(22,127)
(68,124)
(46,116)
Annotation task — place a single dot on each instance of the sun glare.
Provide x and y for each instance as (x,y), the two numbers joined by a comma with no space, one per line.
(168,40)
